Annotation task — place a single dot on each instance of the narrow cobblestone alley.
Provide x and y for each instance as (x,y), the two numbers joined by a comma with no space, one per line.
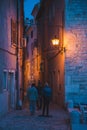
(21,120)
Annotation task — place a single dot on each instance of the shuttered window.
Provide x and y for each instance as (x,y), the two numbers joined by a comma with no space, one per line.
(13,32)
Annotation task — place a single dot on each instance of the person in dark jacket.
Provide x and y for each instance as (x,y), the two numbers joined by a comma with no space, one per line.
(39,101)
(47,96)
(32,95)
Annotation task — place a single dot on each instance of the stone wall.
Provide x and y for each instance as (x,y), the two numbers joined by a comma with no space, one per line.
(75,40)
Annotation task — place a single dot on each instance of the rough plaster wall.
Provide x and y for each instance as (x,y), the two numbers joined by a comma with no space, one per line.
(7,59)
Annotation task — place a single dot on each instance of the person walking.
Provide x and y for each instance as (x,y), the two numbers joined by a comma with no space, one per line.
(47,96)
(32,95)
(39,101)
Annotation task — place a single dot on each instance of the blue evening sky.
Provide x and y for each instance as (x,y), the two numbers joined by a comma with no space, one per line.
(28,6)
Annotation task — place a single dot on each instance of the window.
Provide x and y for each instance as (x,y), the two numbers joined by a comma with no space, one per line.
(0,84)
(13,32)
(52,12)
(32,47)
(27,38)
(5,74)
(31,34)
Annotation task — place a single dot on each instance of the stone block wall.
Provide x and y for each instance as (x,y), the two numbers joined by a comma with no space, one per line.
(75,40)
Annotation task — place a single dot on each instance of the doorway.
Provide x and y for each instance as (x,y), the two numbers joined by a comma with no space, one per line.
(11,90)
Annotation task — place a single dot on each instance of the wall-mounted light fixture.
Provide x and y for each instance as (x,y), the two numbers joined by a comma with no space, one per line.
(55,41)
(55,49)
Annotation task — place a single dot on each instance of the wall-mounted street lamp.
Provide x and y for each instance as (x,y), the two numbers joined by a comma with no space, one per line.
(56,48)
(55,41)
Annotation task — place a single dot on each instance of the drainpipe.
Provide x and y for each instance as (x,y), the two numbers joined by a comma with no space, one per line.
(17,62)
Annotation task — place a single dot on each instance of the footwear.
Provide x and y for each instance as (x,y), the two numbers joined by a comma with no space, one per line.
(41,115)
(32,113)
(48,116)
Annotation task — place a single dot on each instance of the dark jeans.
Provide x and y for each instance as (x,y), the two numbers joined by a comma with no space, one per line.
(39,102)
(45,109)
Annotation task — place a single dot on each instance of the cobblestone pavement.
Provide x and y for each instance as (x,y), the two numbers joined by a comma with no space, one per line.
(22,120)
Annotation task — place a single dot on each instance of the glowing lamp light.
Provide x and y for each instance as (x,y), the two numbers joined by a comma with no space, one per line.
(55,41)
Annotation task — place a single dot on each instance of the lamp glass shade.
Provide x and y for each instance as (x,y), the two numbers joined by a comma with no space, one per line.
(55,41)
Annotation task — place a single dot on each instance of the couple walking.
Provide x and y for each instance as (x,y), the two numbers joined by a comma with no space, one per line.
(32,95)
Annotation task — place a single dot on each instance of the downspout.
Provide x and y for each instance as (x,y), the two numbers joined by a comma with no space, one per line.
(17,62)
(23,61)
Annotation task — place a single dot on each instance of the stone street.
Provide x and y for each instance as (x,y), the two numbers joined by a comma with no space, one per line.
(22,120)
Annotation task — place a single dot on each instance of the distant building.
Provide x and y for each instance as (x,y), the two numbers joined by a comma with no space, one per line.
(32,56)
(11,33)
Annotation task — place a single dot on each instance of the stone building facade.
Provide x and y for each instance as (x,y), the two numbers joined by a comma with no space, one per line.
(75,39)
(66,72)
(32,57)
(9,40)
(50,24)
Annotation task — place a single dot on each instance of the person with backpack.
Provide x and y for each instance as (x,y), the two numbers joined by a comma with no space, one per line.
(47,96)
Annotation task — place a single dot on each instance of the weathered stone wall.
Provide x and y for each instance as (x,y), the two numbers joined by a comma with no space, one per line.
(75,40)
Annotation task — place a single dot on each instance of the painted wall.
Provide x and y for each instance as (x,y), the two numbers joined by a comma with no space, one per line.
(4,101)
(8,12)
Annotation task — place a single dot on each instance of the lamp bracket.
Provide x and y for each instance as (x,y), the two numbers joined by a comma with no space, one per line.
(52,53)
